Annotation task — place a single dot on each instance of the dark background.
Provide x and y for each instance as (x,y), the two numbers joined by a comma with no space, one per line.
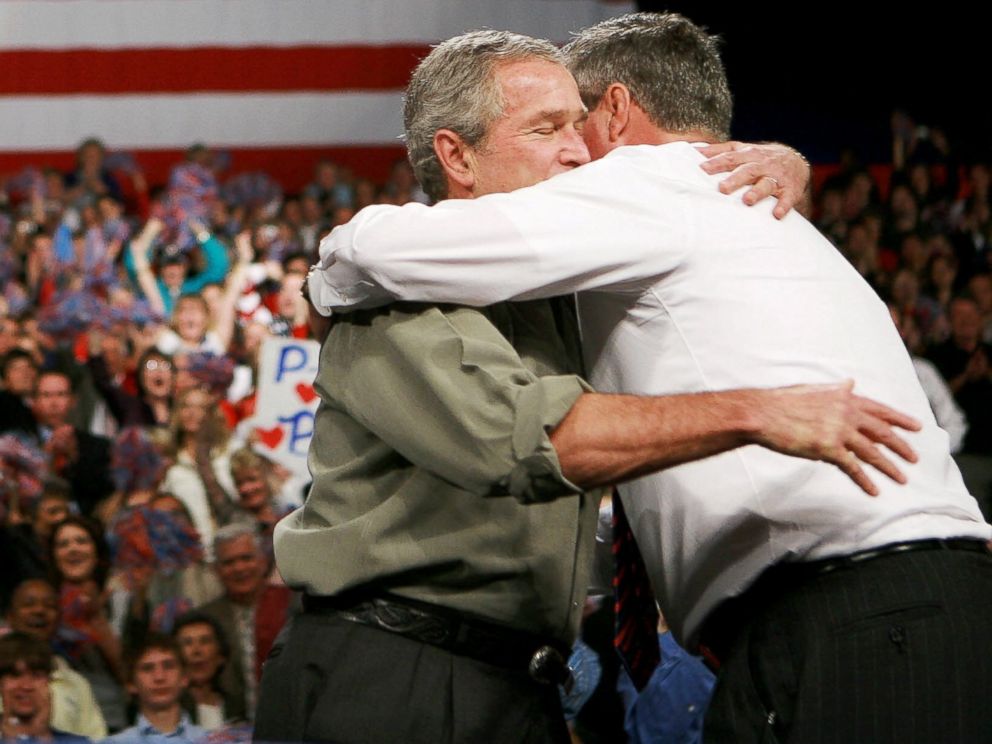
(824,76)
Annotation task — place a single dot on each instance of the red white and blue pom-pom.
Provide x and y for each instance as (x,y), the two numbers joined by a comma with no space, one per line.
(135,462)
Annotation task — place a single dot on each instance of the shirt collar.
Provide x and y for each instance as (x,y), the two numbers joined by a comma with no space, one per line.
(145,728)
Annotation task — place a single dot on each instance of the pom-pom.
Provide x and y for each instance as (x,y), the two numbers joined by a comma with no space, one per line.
(144,539)
(252,190)
(30,182)
(22,468)
(73,313)
(216,373)
(16,297)
(135,463)
(192,189)
(139,313)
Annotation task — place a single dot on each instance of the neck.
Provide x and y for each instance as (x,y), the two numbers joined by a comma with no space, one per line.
(166,720)
(648,134)
(203,693)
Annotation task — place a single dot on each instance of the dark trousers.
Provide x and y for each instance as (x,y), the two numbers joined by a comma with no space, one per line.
(332,680)
(897,649)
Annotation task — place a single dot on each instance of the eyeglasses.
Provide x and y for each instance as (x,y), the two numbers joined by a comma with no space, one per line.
(153,364)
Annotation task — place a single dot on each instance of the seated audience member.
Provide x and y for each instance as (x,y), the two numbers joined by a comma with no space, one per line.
(18,374)
(156,678)
(25,665)
(91,619)
(24,546)
(964,361)
(949,415)
(260,495)
(205,653)
(198,433)
(34,611)
(81,458)
(251,612)
(980,287)
(159,564)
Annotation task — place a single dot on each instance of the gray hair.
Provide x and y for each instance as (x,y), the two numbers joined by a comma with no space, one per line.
(234,530)
(454,87)
(670,65)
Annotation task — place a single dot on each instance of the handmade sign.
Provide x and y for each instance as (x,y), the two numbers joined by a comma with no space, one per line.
(284,412)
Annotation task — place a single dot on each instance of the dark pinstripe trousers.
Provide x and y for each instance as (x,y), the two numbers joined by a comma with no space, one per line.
(897,649)
(331,680)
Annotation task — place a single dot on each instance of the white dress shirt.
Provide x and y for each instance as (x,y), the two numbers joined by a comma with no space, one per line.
(683,289)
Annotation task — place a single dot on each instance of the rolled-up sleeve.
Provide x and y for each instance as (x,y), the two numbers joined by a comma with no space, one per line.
(448,392)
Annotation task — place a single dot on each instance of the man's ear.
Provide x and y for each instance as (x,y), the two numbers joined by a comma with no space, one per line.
(618,103)
(456,158)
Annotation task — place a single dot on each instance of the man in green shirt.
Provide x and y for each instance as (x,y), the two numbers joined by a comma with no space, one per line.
(446,543)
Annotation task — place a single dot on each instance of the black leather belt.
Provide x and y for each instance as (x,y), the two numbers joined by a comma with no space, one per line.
(828,565)
(723,623)
(545,660)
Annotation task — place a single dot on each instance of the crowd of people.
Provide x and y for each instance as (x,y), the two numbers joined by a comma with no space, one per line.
(138,585)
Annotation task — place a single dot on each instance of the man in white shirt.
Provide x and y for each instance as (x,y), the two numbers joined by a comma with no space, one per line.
(685,290)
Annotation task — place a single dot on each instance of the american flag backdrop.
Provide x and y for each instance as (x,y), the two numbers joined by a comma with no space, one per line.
(276,83)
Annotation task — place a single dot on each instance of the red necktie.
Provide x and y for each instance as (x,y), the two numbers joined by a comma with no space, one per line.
(635,612)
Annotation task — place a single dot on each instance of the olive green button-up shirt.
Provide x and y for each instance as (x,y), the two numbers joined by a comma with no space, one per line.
(433,474)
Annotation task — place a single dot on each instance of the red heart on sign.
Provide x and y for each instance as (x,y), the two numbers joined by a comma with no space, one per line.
(306,392)
(270,437)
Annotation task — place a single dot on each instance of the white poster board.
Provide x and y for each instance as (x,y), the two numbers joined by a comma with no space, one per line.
(287,402)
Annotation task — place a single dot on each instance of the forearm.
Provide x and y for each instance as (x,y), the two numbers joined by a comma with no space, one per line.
(608,439)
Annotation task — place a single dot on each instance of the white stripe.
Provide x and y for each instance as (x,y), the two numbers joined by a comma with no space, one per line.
(115,24)
(169,121)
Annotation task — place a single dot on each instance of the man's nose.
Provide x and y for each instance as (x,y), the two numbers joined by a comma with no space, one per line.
(574,151)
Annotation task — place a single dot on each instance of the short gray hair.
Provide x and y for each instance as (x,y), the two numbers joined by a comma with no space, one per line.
(670,65)
(454,87)
(234,530)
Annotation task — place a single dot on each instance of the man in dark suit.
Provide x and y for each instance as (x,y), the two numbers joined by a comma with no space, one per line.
(18,375)
(81,458)
(251,612)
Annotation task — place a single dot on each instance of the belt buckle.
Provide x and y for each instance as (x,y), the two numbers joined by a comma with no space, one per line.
(548,666)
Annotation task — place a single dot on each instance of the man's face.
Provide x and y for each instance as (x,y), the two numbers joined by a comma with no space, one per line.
(52,400)
(23,691)
(158,679)
(50,511)
(241,568)
(20,376)
(966,322)
(34,609)
(201,652)
(539,134)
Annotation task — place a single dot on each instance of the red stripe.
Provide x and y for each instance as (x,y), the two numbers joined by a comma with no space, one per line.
(292,167)
(116,71)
